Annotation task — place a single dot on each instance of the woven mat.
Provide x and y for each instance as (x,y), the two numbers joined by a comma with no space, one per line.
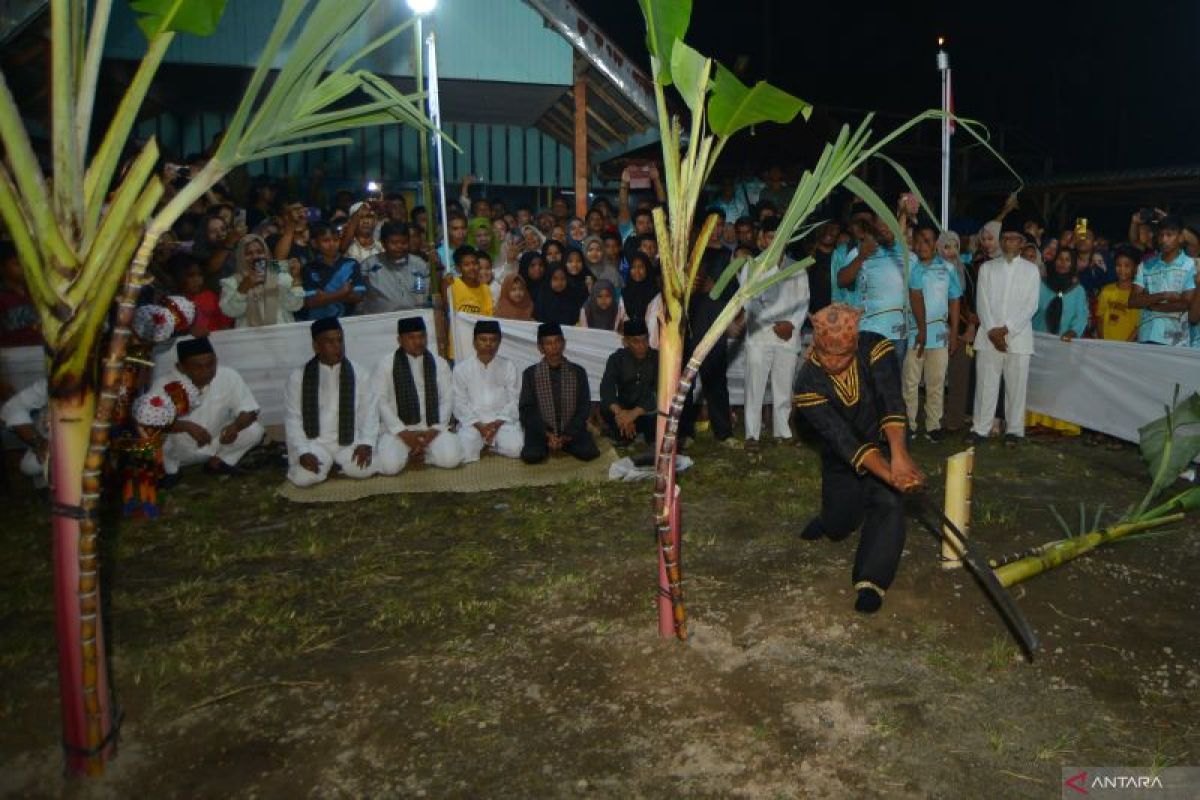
(487,474)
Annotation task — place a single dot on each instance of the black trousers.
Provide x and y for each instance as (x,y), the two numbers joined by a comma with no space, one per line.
(537,446)
(645,426)
(849,501)
(714,384)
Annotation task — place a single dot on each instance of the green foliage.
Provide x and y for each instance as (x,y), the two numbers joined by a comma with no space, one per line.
(690,71)
(1170,443)
(666,23)
(734,106)
(197,17)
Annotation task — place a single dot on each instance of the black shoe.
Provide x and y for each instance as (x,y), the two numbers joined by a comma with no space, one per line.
(973,438)
(169,481)
(936,435)
(1012,440)
(812,531)
(869,601)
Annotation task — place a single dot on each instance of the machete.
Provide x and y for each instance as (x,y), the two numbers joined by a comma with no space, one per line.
(999,596)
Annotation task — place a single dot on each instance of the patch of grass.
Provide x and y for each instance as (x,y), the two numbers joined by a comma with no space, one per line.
(997,739)
(956,668)
(1057,750)
(1001,654)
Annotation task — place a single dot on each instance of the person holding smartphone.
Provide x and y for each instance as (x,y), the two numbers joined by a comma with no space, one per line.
(261,291)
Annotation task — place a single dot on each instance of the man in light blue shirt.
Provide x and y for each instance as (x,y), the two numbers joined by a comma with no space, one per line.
(1163,286)
(934,292)
(877,274)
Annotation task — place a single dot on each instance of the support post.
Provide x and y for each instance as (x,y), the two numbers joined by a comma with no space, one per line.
(581,148)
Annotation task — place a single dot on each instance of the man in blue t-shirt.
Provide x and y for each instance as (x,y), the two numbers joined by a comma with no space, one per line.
(333,283)
(934,291)
(877,274)
(1163,286)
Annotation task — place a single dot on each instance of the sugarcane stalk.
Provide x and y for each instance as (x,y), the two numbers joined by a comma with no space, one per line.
(1068,549)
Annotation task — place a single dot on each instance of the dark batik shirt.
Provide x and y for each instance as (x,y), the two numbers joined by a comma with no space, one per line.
(850,412)
(630,383)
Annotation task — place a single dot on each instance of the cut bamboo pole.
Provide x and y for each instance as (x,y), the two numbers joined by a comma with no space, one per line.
(1074,547)
(960,469)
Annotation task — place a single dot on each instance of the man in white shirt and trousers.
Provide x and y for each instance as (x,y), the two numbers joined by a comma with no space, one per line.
(773,321)
(223,426)
(330,415)
(416,397)
(486,390)
(1006,301)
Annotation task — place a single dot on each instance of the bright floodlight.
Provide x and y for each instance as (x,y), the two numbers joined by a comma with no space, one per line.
(422,6)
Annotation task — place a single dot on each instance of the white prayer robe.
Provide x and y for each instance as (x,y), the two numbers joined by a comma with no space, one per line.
(486,393)
(444,451)
(325,446)
(221,401)
(1007,296)
(768,356)
(24,408)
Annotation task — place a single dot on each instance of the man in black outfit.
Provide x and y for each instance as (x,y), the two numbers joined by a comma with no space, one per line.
(702,313)
(848,390)
(555,403)
(629,388)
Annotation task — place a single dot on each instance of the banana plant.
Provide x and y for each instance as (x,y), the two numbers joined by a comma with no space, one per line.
(85,235)
(720,106)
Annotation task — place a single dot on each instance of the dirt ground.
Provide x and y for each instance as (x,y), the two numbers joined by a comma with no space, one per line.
(504,644)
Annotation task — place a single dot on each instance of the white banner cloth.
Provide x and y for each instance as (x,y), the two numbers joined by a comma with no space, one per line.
(1112,387)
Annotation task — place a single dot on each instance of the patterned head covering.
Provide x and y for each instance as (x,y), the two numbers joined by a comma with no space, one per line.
(153,324)
(160,409)
(182,310)
(154,410)
(835,329)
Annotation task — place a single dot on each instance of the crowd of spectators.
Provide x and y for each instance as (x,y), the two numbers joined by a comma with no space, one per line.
(273,257)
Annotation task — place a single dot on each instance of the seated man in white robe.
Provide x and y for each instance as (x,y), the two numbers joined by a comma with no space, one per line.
(416,396)
(25,415)
(486,390)
(330,415)
(223,426)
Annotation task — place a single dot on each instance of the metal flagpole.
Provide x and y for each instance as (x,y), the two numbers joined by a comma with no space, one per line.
(943,62)
(435,116)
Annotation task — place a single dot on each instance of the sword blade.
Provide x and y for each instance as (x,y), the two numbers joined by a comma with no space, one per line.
(1000,597)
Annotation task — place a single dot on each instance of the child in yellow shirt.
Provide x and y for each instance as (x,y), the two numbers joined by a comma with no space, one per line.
(1115,320)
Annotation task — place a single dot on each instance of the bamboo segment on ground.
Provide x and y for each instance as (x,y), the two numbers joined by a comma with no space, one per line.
(960,469)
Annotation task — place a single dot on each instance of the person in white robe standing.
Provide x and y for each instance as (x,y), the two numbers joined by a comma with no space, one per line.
(1006,301)
(223,426)
(416,397)
(773,322)
(486,390)
(330,414)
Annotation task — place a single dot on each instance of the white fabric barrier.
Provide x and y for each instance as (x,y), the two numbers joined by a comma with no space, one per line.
(1111,387)
(587,347)
(264,356)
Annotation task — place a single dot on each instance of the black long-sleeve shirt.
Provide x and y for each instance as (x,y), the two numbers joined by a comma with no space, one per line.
(850,412)
(630,383)
(531,415)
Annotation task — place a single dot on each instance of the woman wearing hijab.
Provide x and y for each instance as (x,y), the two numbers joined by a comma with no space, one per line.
(531,239)
(483,238)
(576,232)
(603,310)
(259,292)
(593,256)
(554,252)
(532,270)
(515,301)
(579,276)
(1063,311)
(556,303)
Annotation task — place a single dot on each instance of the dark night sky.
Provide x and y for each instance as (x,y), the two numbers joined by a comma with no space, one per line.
(1096,86)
